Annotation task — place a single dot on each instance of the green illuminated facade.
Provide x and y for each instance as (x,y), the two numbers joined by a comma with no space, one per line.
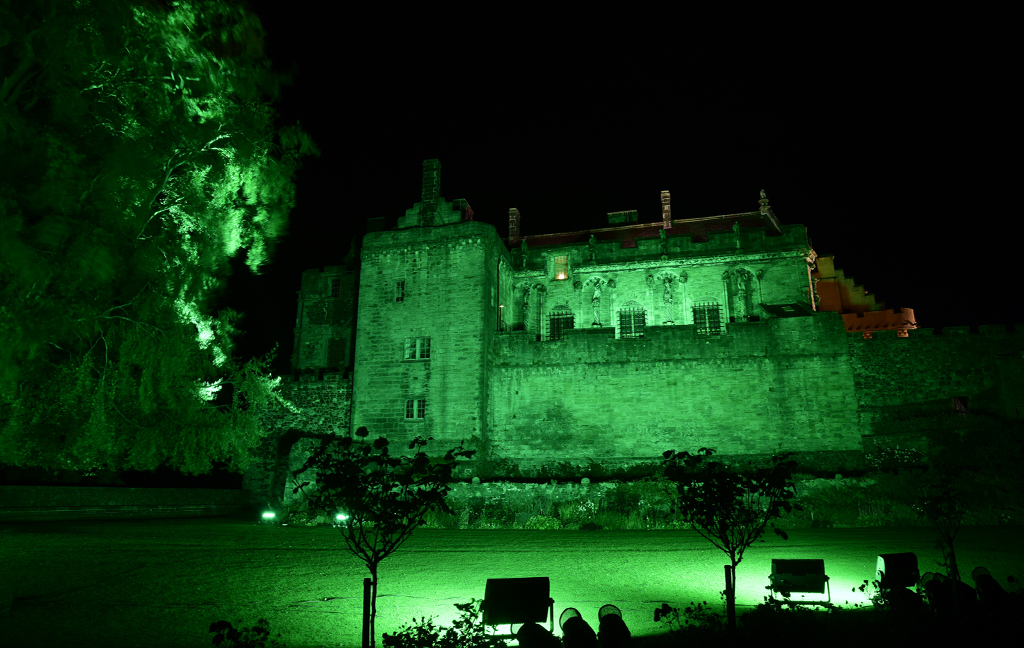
(613,344)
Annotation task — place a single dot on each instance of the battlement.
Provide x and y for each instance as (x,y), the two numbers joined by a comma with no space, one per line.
(644,242)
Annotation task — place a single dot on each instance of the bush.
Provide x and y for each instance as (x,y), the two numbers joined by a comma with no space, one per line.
(542,522)
(466,632)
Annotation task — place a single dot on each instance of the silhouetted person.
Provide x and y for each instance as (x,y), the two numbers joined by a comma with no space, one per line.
(533,635)
(612,632)
(576,633)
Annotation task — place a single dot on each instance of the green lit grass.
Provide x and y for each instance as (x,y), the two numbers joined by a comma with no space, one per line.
(161,583)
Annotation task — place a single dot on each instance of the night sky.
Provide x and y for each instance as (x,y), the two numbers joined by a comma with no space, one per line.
(892,153)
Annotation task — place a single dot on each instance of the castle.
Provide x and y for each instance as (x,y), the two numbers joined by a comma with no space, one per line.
(613,344)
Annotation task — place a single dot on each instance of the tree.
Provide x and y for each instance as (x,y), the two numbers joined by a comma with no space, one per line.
(137,157)
(381,498)
(729,507)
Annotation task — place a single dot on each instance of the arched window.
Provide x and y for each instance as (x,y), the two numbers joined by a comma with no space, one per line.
(632,319)
(559,321)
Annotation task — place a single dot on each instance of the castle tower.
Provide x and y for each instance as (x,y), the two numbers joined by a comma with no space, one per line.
(428,311)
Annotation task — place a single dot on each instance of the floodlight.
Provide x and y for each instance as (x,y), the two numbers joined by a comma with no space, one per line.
(269,517)
(802,576)
(897,570)
(516,601)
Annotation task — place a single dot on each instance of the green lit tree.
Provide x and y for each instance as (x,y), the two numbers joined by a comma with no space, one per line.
(730,507)
(137,156)
(381,498)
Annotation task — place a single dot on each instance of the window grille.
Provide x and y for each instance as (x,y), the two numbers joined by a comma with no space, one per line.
(400,291)
(416,409)
(417,348)
(632,322)
(561,320)
(561,267)
(335,287)
(707,316)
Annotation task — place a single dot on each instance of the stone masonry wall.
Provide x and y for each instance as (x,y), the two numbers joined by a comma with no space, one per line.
(785,383)
(933,366)
(449,295)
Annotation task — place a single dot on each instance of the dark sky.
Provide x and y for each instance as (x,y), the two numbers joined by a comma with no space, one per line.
(891,154)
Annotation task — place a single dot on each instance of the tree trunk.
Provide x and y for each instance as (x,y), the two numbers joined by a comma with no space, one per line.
(373,605)
(730,596)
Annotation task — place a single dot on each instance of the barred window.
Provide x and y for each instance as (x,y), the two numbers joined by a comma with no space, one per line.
(561,319)
(400,291)
(707,316)
(335,287)
(561,267)
(632,319)
(416,409)
(417,348)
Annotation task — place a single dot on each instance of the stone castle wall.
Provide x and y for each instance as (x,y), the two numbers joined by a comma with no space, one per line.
(782,384)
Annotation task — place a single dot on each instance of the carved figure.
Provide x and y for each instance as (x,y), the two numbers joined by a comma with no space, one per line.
(525,253)
(596,303)
(664,241)
(667,298)
(593,248)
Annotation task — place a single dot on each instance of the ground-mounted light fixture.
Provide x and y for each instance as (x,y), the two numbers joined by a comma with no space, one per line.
(799,576)
(515,601)
(269,518)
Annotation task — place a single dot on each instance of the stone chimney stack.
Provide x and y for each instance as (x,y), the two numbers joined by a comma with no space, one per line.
(666,210)
(513,226)
(431,190)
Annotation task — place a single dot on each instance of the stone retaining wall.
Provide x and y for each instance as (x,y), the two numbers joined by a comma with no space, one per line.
(35,503)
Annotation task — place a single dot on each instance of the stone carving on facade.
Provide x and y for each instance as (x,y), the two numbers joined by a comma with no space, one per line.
(595,303)
(667,299)
(593,248)
(664,243)
(525,253)
(526,306)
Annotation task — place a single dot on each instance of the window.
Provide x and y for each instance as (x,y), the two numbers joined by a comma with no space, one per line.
(335,287)
(561,319)
(400,291)
(561,267)
(416,409)
(417,348)
(632,319)
(707,316)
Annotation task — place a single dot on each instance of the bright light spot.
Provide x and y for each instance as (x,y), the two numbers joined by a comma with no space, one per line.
(342,516)
(267,516)
(561,276)
(207,391)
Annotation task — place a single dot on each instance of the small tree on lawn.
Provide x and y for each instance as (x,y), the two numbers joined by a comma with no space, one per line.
(729,507)
(381,498)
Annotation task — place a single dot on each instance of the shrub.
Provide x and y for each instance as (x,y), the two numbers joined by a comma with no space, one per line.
(466,632)
(542,522)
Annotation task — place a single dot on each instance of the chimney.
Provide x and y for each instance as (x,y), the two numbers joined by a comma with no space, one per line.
(513,226)
(666,211)
(431,190)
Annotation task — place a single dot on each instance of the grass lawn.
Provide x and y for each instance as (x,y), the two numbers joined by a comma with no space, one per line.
(162,582)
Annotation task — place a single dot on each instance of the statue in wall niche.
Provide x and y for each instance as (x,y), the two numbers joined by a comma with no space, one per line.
(736,227)
(525,253)
(526,306)
(596,303)
(664,243)
(667,298)
(593,248)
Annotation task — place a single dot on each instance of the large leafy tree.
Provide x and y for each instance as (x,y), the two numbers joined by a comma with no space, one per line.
(138,155)
(380,497)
